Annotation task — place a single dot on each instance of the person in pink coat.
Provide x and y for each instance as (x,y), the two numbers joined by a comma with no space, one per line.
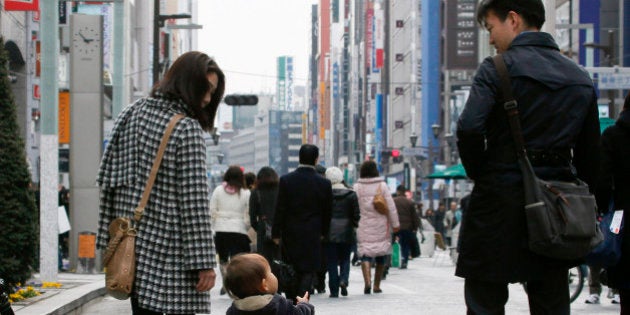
(374,234)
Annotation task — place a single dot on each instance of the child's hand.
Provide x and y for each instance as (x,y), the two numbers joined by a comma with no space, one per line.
(303,299)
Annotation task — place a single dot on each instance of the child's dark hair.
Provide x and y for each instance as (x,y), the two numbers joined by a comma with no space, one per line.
(244,274)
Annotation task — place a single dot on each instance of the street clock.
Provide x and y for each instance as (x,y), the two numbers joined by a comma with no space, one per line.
(86,53)
(86,41)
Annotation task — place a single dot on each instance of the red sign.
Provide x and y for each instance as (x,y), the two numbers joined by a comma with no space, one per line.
(38,58)
(36,93)
(21,5)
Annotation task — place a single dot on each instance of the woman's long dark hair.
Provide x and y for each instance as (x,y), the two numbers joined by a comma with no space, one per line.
(267,178)
(187,79)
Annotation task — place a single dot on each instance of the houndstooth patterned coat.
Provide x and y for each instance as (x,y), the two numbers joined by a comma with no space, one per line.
(174,237)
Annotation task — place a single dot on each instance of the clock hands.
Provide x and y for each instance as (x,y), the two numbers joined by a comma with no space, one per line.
(87,40)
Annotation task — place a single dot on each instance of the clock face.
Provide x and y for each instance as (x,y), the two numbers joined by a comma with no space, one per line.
(86,41)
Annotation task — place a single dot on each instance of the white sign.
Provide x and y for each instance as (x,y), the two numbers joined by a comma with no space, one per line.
(417,151)
(614,81)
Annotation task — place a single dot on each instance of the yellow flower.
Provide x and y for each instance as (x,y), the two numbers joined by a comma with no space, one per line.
(51,285)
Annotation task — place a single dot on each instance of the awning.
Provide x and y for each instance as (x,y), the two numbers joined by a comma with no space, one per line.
(454,172)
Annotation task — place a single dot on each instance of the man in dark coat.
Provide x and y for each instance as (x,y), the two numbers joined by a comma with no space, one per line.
(302,218)
(557,104)
(614,183)
(409,223)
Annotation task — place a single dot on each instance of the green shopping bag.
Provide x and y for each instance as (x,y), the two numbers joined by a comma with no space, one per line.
(395,254)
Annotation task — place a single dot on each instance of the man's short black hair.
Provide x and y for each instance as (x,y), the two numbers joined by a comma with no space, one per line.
(532,11)
(309,154)
(626,104)
(401,189)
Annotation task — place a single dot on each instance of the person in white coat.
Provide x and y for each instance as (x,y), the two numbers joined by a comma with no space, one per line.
(229,208)
(374,235)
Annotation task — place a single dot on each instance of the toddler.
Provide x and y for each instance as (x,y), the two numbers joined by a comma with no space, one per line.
(252,285)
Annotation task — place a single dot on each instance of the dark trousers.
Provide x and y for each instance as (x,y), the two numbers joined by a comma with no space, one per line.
(304,283)
(137,310)
(268,249)
(405,239)
(229,244)
(546,296)
(624,295)
(338,264)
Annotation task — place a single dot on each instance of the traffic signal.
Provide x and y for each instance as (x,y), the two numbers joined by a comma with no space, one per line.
(397,156)
(241,99)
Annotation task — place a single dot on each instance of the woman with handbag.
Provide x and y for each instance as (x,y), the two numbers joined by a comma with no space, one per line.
(262,206)
(229,207)
(614,184)
(174,249)
(374,234)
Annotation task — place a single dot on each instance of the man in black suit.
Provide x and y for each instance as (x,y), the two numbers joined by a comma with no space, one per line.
(302,219)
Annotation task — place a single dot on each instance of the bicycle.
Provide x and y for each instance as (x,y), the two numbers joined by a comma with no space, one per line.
(577,278)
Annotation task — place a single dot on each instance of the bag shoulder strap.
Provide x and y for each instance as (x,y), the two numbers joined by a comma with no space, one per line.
(378,189)
(156,166)
(510,105)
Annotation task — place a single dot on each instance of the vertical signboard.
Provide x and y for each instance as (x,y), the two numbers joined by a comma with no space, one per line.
(462,34)
(64,117)
(369,21)
(284,86)
(281,84)
(289,85)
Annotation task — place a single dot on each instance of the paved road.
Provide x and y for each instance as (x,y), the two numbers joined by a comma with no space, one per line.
(427,287)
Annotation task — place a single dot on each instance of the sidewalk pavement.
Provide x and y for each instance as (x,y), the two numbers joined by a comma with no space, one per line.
(76,292)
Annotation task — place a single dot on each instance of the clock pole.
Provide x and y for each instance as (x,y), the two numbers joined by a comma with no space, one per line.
(86,137)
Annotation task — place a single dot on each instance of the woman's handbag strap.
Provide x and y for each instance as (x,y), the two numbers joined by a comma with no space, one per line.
(156,166)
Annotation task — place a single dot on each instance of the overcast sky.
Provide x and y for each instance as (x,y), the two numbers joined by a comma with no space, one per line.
(246,36)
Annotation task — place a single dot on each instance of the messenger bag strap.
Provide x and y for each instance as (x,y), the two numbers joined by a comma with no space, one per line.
(156,166)
(510,105)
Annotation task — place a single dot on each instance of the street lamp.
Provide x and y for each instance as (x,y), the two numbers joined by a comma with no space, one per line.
(215,136)
(609,50)
(220,157)
(158,22)
(436,131)
(413,138)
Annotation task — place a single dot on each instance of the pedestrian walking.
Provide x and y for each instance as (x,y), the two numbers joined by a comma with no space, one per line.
(557,106)
(614,184)
(450,220)
(438,220)
(595,287)
(175,254)
(254,288)
(302,219)
(409,223)
(374,234)
(262,206)
(229,207)
(338,242)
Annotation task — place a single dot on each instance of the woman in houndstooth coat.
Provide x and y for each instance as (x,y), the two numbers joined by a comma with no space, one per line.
(175,255)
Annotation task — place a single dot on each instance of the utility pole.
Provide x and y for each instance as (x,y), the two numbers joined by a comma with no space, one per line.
(156,41)
(118,89)
(158,22)
(49,152)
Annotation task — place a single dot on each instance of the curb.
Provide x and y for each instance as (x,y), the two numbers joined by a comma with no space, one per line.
(69,301)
